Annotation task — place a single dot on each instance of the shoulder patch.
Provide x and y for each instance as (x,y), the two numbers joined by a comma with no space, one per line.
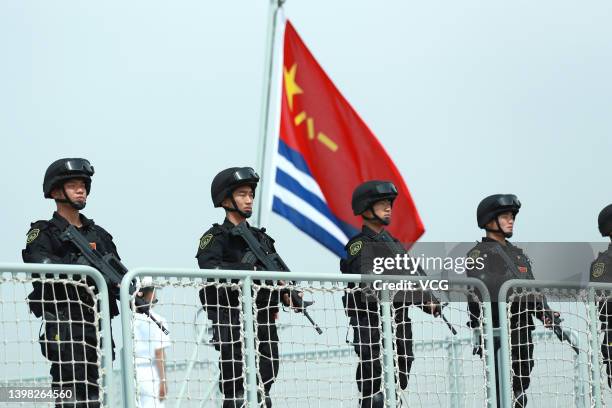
(474,254)
(598,269)
(205,240)
(355,248)
(32,235)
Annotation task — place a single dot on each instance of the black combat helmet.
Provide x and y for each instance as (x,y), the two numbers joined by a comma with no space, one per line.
(493,205)
(226,181)
(605,221)
(65,169)
(368,193)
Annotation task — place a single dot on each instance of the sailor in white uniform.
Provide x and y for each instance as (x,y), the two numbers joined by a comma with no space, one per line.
(149,355)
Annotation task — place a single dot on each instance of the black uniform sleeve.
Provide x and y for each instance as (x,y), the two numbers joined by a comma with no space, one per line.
(356,303)
(39,249)
(210,255)
(351,264)
(39,246)
(488,274)
(356,261)
(600,272)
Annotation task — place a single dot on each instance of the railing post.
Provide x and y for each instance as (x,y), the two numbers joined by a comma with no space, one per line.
(595,368)
(389,371)
(249,341)
(489,334)
(505,372)
(107,345)
(127,361)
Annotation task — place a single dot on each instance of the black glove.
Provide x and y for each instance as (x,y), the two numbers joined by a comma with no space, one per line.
(368,294)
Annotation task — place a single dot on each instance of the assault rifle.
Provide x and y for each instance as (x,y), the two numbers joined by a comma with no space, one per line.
(109,265)
(272,262)
(541,306)
(396,248)
(556,323)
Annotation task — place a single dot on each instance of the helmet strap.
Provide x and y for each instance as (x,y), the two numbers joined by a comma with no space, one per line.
(235,208)
(499,229)
(66,200)
(374,216)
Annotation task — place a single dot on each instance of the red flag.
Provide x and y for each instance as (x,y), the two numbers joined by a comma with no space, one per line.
(338,148)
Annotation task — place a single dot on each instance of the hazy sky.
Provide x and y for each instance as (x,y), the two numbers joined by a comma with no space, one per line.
(470,98)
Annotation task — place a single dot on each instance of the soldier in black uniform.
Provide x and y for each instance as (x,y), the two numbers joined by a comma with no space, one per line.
(373,201)
(601,271)
(234,190)
(503,261)
(68,182)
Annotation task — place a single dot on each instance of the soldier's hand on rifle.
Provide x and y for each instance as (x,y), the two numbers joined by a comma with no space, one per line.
(287,300)
(548,321)
(286,296)
(434,308)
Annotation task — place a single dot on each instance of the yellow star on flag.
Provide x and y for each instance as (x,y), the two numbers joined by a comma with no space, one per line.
(291,87)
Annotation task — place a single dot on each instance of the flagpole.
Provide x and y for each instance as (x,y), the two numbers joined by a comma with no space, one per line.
(275,6)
